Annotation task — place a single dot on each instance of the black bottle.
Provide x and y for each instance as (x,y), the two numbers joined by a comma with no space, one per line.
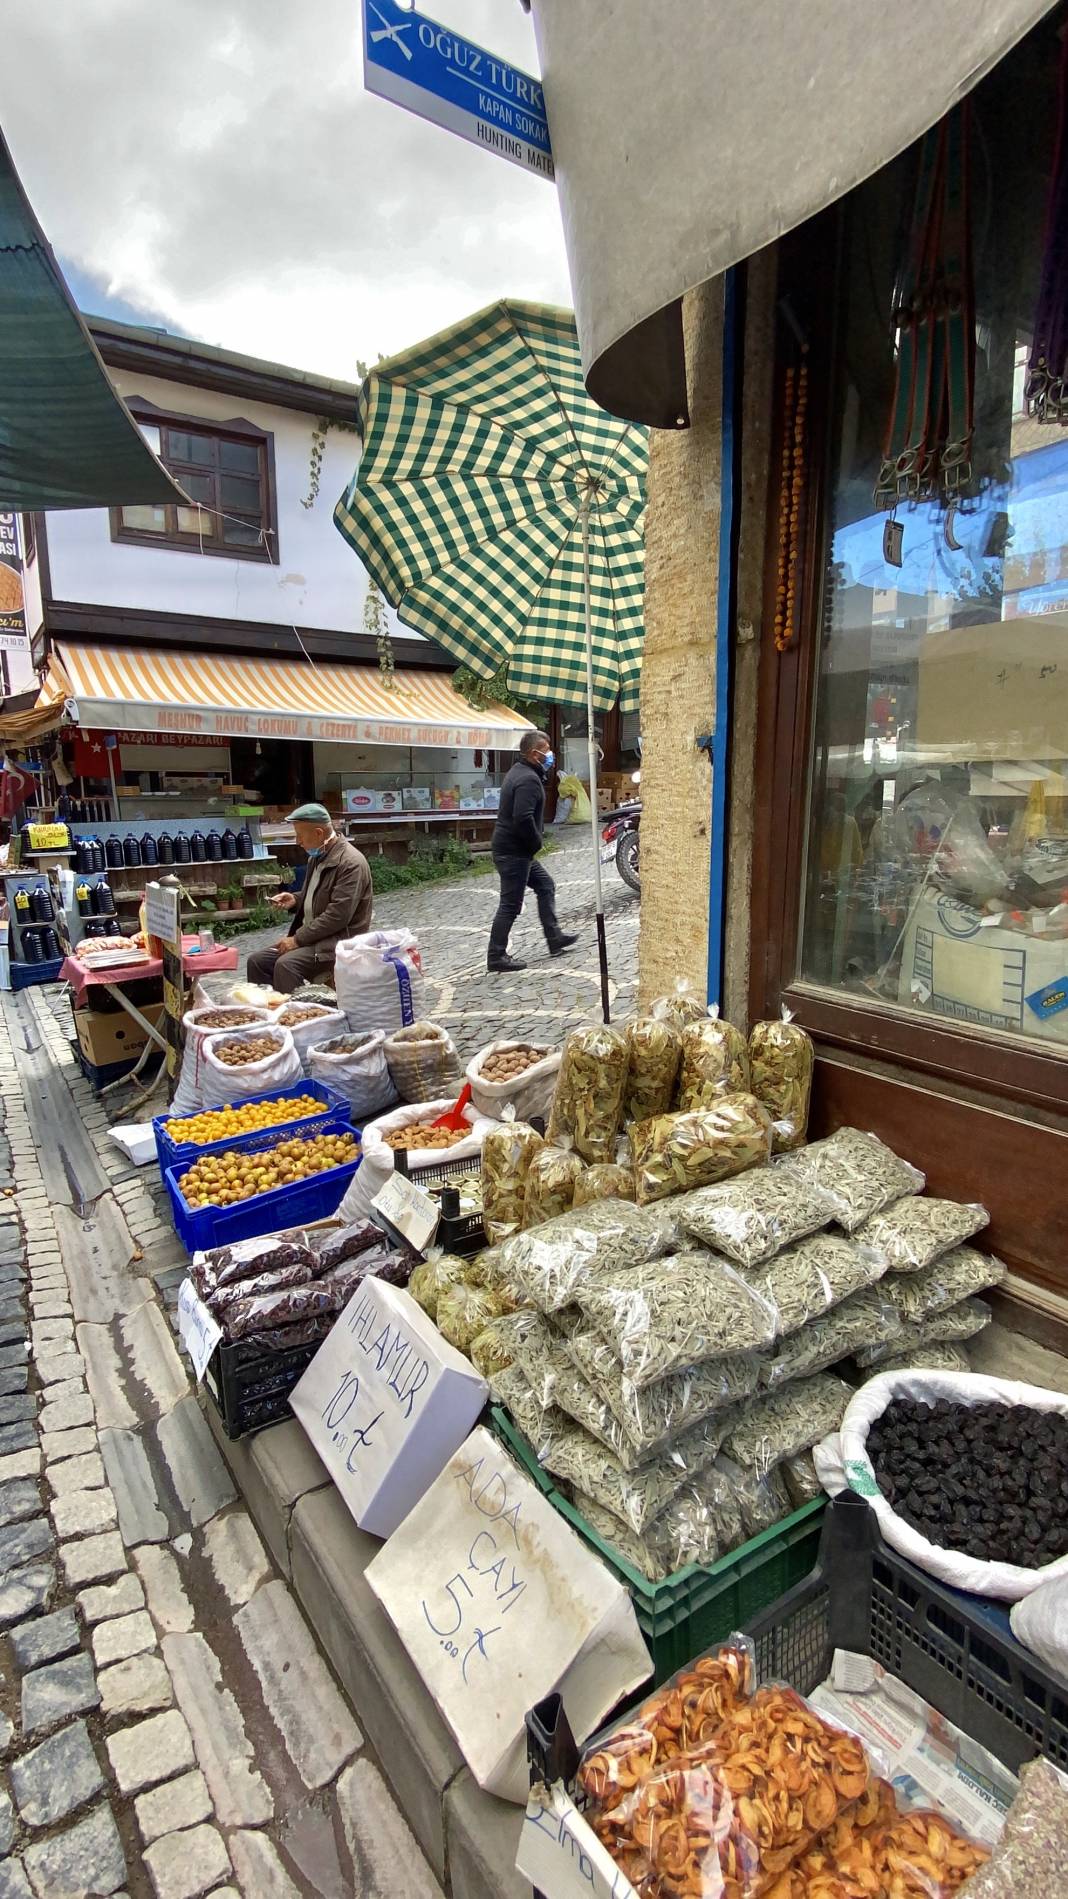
(113,927)
(98,855)
(23,905)
(215,848)
(198,844)
(103,901)
(182,850)
(131,851)
(83,856)
(245,846)
(31,947)
(84,898)
(229,846)
(149,853)
(166,848)
(113,852)
(41,904)
(49,945)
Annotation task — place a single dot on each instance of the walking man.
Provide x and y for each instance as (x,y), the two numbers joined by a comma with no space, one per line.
(517,839)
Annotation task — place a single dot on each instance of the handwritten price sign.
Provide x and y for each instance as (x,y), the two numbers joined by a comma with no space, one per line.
(385,1401)
(498,1602)
(561,1856)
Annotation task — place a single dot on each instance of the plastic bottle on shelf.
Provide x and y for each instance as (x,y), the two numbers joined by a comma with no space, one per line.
(83,856)
(215,847)
(31,947)
(183,853)
(49,945)
(98,854)
(198,845)
(149,851)
(166,848)
(131,852)
(23,905)
(83,896)
(229,846)
(113,852)
(245,846)
(103,901)
(41,904)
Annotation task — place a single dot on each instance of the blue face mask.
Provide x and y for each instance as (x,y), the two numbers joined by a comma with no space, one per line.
(316,851)
(547,761)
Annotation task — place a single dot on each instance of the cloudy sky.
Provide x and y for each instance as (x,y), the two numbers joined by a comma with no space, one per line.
(216,167)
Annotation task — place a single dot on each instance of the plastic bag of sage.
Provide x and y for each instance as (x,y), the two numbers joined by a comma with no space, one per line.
(754,1216)
(958,1322)
(540,1355)
(636,1496)
(703,1521)
(857,1171)
(550,1184)
(550,1261)
(684,1004)
(608,1180)
(762,1496)
(634,1550)
(588,1103)
(913,1232)
(654,1051)
(507,1151)
(463,1312)
(801,1478)
(781,1060)
(434,1277)
(673,1153)
(674,1312)
(804,1281)
(952,1358)
(954,1276)
(868,1318)
(788,1421)
(538,1425)
(652,1415)
(715,1061)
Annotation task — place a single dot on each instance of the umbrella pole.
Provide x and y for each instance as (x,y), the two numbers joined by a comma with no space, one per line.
(595,829)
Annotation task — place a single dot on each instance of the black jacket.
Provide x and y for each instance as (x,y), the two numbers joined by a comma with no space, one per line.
(520,823)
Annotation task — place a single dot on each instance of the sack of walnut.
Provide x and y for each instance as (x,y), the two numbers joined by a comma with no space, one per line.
(522,1074)
(422,1061)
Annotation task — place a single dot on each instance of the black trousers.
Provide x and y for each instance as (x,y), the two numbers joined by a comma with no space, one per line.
(516,873)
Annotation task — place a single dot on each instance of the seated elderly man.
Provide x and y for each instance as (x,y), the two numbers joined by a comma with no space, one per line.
(334,902)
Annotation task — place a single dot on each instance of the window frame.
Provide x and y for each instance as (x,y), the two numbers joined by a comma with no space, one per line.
(234,429)
(988,1063)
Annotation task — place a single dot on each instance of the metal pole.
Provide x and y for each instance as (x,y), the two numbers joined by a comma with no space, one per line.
(114,793)
(591,734)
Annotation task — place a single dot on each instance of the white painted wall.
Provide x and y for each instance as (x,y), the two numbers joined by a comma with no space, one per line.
(318,582)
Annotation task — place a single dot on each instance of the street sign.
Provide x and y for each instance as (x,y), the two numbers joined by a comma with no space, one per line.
(442,77)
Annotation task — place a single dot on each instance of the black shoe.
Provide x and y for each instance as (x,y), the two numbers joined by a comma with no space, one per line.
(503,964)
(562,945)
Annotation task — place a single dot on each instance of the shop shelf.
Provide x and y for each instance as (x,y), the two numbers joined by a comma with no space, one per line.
(335,1112)
(296,1204)
(250,1387)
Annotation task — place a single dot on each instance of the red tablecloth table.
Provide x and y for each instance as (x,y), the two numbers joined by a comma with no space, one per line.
(194,963)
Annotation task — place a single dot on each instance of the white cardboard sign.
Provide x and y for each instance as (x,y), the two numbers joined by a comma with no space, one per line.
(499,1603)
(410,1209)
(385,1401)
(198,1331)
(562,1856)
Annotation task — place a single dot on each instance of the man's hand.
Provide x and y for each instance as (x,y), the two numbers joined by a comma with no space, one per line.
(285,944)
(283,900)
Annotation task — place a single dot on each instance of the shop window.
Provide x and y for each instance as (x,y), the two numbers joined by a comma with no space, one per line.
(936,872)
(228,476)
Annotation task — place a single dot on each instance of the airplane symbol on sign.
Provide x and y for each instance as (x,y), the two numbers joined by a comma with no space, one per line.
(391,30)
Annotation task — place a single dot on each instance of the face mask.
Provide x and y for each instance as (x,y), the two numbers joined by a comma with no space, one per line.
(547,761)
(316,851)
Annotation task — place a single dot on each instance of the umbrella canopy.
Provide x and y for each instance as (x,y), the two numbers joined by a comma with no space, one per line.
(66,438)
(482,453)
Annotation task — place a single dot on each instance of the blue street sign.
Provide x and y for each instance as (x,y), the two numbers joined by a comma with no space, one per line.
(437,74)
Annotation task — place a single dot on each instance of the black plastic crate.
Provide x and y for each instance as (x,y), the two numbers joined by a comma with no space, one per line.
(250,1387)
(466,1233)
(864,1597)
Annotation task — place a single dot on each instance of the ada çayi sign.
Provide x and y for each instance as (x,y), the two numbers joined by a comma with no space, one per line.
(560,1854)
(440,76)
(385,1402)
(498,1603)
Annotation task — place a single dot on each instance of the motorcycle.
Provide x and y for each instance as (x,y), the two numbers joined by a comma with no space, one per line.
(619,840)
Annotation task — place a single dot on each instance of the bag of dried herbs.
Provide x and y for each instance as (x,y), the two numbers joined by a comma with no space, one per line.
(462,1313)
(540,1355)
(551,1260)
(684,1004)
(654,1050)
(752,1217)
(762,1496)
(538,1425)
(952,1358)
(865,1320)
(636,1551)
(639,1495)
(963,1321)
(781,1061)
(703,1522)
(956,1275)
(610,1180)
(673,1153)
(493,1350)
(653,1415)
(588,1103)
(552,1173)
(507,1152)
(676,1312)
(438,1274)
(715,1061)
(801,1478)
(859,1174)
(915,1231)
(788,1421)
(804,1281)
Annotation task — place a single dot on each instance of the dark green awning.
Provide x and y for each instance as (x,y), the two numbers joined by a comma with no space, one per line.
(67,439)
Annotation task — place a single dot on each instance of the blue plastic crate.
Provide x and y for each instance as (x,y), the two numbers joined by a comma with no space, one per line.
(171,1153)
(24,975)
(294,1205)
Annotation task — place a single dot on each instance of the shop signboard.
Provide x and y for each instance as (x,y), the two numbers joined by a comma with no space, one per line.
(498,1603)
(440,76)
(12,604)
(385,1402)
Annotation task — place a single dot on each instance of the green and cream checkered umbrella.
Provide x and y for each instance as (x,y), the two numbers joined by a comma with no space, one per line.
(481,451)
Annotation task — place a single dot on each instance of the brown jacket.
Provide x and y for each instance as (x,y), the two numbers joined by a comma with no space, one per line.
(341,901)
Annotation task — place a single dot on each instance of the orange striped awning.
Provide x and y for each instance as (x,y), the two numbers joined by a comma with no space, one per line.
(227,695)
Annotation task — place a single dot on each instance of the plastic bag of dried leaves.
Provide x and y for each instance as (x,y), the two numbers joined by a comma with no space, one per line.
(781,1060)
(788,1421)
(674,1153)
(634,1550)
(507,1151)
(715,1061)
(654,1050)
(801,1478)
(654,1414)
(437,1275)
(550,1184)
(956,1275)
(537,1424)
(539,1355)
(803,1282)
(752,1217)
(493,1350)
(675,1312)
(762,1496)
(963,1321)
(684,1004)
(857,1171)
(588,1103)
(637,1496)
(915,1231)
(867,1319)
(611,1180)
(463,1312)
(551,1260)
(703,1522)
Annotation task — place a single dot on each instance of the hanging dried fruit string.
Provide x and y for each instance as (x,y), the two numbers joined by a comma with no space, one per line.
(791,498)
(928,448)
(1047,367)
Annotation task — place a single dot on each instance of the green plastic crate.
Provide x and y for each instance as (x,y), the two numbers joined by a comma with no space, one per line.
(696,1607)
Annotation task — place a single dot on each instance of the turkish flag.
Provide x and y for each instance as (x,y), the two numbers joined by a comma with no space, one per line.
(91,756)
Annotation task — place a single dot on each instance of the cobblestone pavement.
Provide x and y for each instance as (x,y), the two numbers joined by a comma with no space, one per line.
(167,1725)
(552,994)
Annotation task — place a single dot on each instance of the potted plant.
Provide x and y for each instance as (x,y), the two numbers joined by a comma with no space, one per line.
(234,894)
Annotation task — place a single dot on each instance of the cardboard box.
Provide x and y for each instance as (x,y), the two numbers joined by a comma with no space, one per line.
(954,963)
(112,1037)
(360,798)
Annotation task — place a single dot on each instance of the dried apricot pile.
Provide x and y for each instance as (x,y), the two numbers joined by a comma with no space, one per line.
(250,1117)
(222,1180)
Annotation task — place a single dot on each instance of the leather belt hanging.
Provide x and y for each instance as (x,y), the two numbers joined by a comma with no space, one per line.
(928,447)
(1047,370)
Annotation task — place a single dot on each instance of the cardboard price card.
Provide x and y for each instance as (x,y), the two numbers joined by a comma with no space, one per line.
(198,1331)
(386,1401)
(410,1209)
(561,1856)
(498,1603)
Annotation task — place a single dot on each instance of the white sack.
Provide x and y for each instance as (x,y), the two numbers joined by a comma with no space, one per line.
(317,1028)
(222,1084)
(379,980)
(360,1074)
(1040,1622)
(189,1095)
(531,1093)
(378,1159)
